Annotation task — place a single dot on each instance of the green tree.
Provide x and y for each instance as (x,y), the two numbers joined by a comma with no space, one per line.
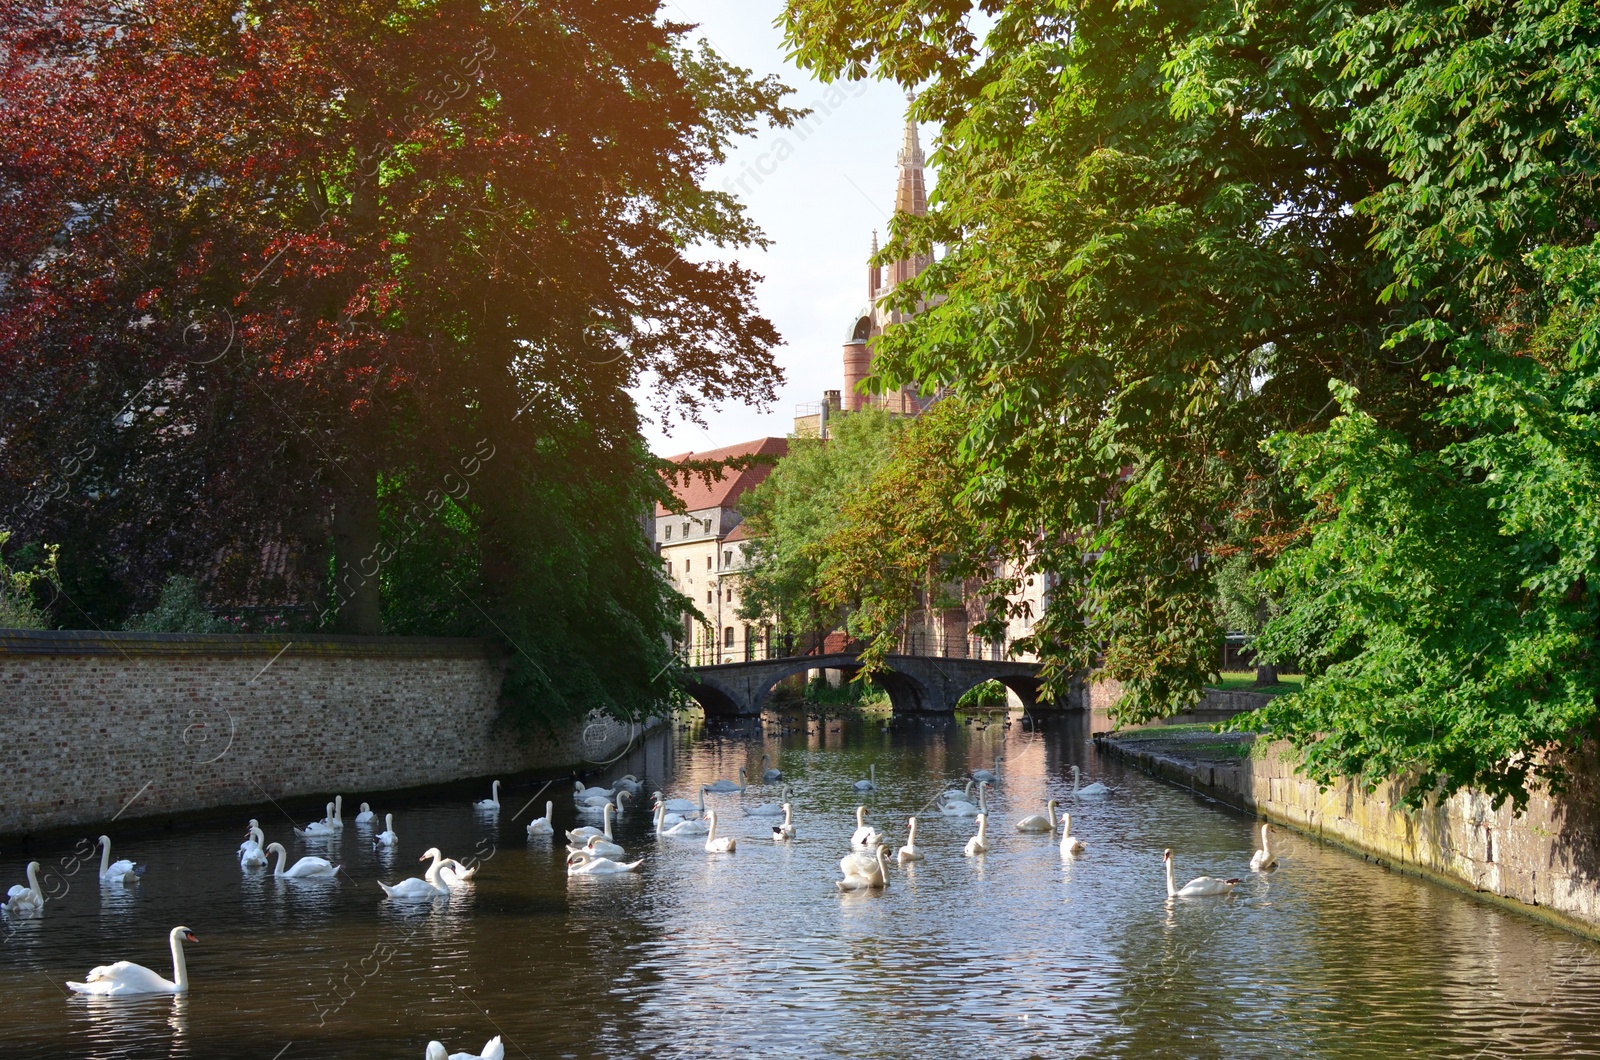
(19,608)
(793,514)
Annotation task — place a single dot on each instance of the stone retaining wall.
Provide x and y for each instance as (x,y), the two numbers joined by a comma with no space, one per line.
(1545,861)
(97,727)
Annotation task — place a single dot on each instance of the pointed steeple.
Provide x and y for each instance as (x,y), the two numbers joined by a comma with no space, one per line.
(910,195)
(874,271)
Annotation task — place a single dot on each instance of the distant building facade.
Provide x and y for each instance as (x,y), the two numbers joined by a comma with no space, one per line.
(703,552)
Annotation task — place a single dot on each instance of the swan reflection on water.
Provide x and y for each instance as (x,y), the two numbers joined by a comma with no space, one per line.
(114,1021)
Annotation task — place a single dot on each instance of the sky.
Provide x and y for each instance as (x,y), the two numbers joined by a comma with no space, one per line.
(818,193)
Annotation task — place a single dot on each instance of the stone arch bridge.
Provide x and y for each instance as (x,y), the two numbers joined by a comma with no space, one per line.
(916,684)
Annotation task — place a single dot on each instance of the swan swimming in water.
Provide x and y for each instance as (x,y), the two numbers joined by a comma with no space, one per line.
(124,872)
(305,868)
(366,816)
(782,833)
(25,901)
(600,848)
(629,783)
(493,1050)
(718,844)
(679,830)
(1096,790)
(429,886)
(591,796)
(865,837)
(1264,860)
(455,875)
(770,775)
(877,879)
(1071,845)
(1199,887)
(387,837)
(909,852)
(543,825)
(578,835)
(966,809)
(125,978)
(252,854)
(871,783)
(492,803)
(582,863)
(988,776)
(868,865)
(769,809)
(336,818)
(682,805)
(722,787)
(323,828)
(979,844)
(1039,822)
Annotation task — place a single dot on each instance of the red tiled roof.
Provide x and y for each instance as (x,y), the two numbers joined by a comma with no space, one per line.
(697,494)
(737,534)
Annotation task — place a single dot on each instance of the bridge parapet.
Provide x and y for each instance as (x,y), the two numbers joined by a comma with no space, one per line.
(916,684)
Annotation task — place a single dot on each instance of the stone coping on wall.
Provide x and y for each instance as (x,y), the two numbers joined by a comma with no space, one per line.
(18,642)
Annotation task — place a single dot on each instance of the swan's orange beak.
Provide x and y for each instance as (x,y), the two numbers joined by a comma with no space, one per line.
(189,936)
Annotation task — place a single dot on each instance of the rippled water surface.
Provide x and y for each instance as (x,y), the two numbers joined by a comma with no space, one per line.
(1014,954)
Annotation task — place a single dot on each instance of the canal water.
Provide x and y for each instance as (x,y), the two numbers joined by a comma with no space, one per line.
(1015,954)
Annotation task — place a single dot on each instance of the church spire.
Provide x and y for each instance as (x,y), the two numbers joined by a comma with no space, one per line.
(910,195)
(874,271)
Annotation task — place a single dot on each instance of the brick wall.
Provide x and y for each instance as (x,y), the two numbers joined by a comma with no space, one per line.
(146,725)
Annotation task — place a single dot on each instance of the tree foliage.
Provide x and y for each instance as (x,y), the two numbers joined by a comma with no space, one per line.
(1171,226)
(371,281)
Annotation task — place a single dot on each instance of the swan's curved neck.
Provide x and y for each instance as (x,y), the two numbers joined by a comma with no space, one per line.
(983,828)
(388,822)
(661,815)
(1265,849)
(911,832)
(702,800)
(711,826)
(33,882)
(607,815)
(338,807)
(872,772)
(180,968)
(1050,808)
(983,803)
(258,835)
(1066,825)
(105,853)
(283,856)
(1171,889)
(494,793)
(550,813)
(787,818)
(434,868)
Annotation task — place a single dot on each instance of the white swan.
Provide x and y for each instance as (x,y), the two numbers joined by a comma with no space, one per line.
(869,865)
(770,775)
(544,825)
(723,786)
(979,844)
(714,845)
(909,852)
(1199,887)
(366,816)
(877,879)
(1264,860)
(680,829)
(582,863)
(769,809)
(957,794)
(336,818)
(1096,790)
(871,783)
(966,809)
(322,828)
(595,797)
(629,783)
(989,776)
(455,875)
(124,872)
(1040,822)
(491,1051)
(600,848)
(1071,845)
(492,803)
(305,868)
(429,886)
(252,854)
(681,805)
(782,833)
(865,837)
(26,900)
(125,977)
(578,835)
(387,838)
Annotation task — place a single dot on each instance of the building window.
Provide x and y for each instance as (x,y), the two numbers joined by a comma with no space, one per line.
(727,557)
(686,566)
(708,563)
(669,531)
(727,637)
(685,529)
(730,596)
(708,596)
